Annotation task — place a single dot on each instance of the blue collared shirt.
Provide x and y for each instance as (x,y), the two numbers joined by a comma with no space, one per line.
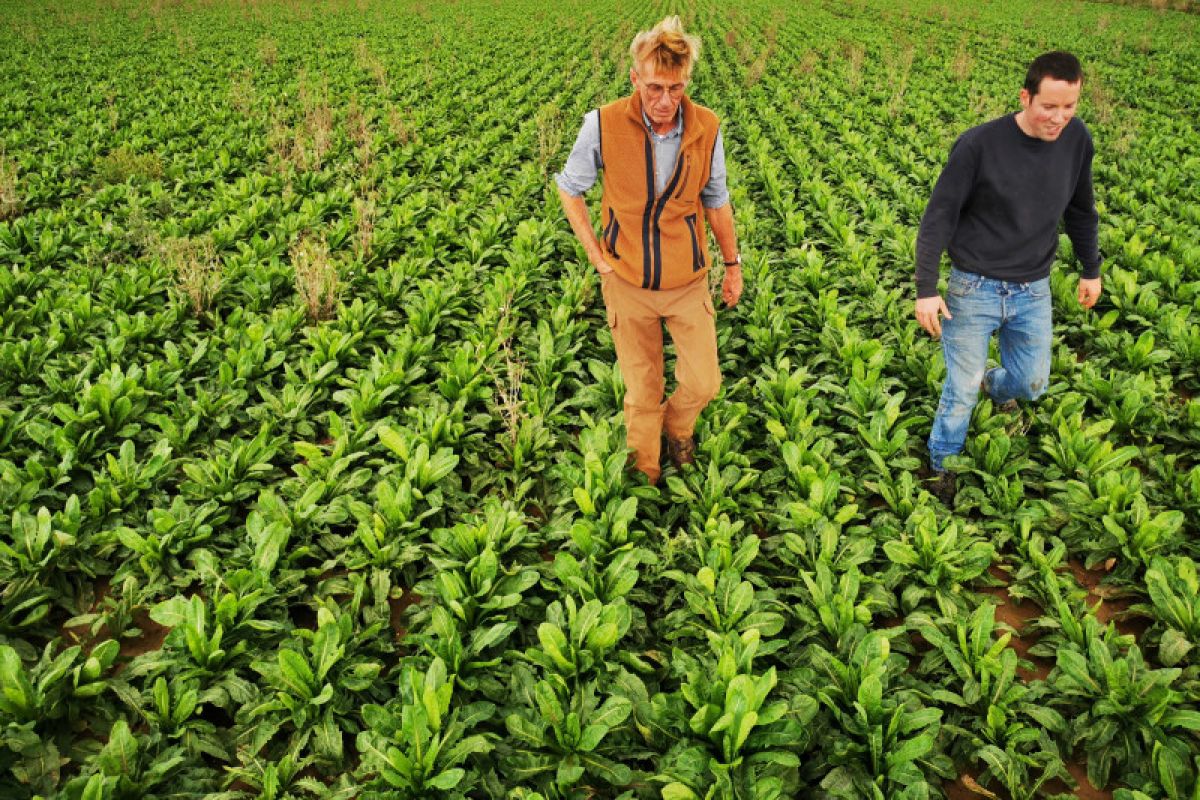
(585,162)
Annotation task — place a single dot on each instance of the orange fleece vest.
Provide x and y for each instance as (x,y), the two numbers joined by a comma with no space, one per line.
(654,241)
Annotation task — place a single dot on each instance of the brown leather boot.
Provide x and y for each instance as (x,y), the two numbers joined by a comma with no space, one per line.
(681,451)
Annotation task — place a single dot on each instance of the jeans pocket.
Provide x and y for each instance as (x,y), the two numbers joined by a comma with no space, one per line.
(963,284)
(1040,289)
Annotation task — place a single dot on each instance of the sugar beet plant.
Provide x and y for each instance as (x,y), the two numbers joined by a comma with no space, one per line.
(312,467)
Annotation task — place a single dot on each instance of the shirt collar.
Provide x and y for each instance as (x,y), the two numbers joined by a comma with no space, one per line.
(674,133)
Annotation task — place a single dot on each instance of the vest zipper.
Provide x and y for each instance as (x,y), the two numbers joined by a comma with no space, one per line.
(656,205)
(697,253)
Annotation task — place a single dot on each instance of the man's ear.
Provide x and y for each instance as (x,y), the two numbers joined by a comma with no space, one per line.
(1026,97)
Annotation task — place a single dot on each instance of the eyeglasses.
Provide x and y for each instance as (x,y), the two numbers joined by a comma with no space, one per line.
(655,90)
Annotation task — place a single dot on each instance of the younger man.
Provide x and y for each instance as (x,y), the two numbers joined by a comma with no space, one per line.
(995,209)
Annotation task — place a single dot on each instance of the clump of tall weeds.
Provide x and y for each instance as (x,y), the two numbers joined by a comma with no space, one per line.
(196,270)
(316,277)
(124,163)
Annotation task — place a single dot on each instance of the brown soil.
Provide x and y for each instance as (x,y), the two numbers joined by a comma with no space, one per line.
(1085,791)
(1113,606)
(1016,615)
(80,634)
(1087,578)
(148,641)
(399,606)
(966,787)
(151,640)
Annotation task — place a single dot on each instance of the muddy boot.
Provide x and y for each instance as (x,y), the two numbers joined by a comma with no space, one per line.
(943,486)
(681,451)
(1007,407)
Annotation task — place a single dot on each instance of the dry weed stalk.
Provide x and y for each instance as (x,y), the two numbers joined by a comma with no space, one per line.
(549,133)
(398,126)
(10,200)
(618,46)
(241,93)
(359,123)
(508,386)
(854,61)
(808,63)
(509,392)
(114,113)
(307,144)
(1127,133)
(316,277)
(1100,100)
(756,69)
(138,228)
(960,65)
(361,132)
(900,68)
(268,51)
(317,123)
(364,226)
(196,269)
(280,140)
(371,64)
(598,71)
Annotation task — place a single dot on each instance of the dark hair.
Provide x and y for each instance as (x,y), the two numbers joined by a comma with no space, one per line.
(1058,65)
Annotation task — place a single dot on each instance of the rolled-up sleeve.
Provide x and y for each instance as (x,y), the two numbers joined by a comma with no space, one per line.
(584,163)
(716,192)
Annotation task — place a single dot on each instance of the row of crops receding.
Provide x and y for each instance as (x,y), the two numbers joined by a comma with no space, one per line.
(312,463)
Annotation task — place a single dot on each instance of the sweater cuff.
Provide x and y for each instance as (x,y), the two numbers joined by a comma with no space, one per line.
(927,288)
(1091,271)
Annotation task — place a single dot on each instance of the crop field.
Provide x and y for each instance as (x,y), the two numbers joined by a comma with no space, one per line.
(312,465)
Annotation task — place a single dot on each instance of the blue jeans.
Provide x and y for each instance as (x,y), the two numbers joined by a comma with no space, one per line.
(979,307)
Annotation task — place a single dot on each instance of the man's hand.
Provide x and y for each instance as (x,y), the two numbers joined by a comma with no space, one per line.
(929,313)
(1089,291)
(731,287)
(602,266)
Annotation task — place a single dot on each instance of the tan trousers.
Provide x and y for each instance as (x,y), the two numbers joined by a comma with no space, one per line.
(636,317)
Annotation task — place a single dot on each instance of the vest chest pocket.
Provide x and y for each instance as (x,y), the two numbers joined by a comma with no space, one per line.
(697,251)
(610,233)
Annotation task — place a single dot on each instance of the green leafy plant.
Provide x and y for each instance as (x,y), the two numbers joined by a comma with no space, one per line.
(416,745)
(886,741)
(1120,706)
(941,555)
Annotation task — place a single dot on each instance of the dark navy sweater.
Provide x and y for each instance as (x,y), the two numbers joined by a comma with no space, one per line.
(996,206)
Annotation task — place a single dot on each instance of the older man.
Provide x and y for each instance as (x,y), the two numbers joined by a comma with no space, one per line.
(996,209)
(664,176)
